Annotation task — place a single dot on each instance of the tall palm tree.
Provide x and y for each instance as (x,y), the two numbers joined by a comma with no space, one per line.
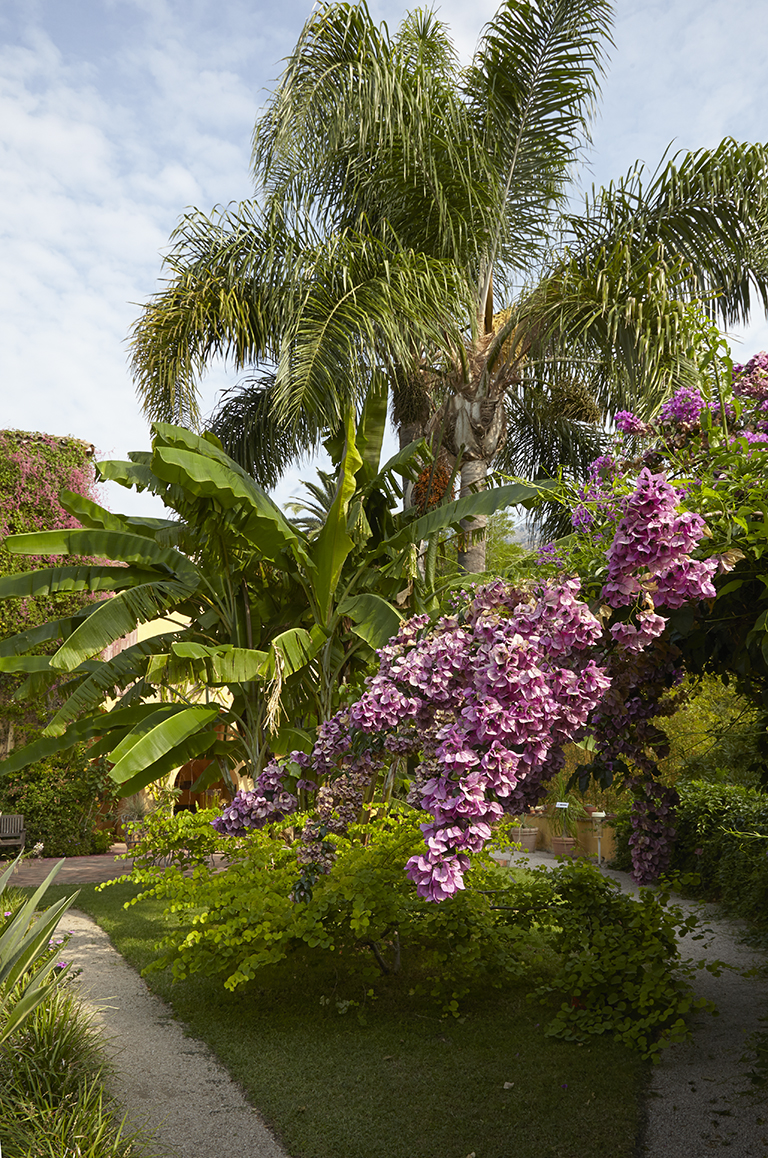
(399,199)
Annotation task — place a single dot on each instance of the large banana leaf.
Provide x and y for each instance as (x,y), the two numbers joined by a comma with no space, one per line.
(296,648)
(106,544)
(373,619)
(91,514)
(198,744)
(54,629)
(104,678)
(332,546)
(147,745)
(85,729)
(203,469)
(115,618)
(66,580)
(371,428)
(485,502)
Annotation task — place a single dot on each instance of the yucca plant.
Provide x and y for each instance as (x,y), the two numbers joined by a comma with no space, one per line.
(26,977)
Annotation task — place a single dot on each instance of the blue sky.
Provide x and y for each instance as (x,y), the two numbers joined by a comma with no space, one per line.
(117,115)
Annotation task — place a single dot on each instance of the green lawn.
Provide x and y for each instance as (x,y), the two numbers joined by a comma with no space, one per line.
(391,1078)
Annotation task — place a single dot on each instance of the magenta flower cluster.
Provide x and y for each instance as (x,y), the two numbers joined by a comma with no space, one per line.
(628,423)
(650,552)
(487,697)
(268,801)
(683,409)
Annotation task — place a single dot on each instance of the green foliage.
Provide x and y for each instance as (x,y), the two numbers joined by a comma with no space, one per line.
(28,963)
(620,971)
(265,621)
(503,550)
(34,468)
(184,840)
(52,1098)
(310,1068)
(59,798)
(565,933)
(364,911)
(720,846)
(714,736)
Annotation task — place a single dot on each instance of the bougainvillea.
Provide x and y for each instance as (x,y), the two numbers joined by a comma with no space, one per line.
(34,469)
(484,700)
(476,707)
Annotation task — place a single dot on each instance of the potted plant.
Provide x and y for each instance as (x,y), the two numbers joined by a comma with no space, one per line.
(523,834)
(564,810)
(131,813)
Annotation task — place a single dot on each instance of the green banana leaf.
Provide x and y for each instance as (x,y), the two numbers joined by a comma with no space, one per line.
(198,744)
(373,619)
(116,618)
(290,739)
(106,544)
(104,678)
(65,580)
(138,752)
(485,502)
(84,729)
(91,514)
(182,458)
(54,629)
(333,544)
(371,428)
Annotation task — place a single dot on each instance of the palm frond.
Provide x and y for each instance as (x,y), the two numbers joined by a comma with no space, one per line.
(531,87)
(254,437)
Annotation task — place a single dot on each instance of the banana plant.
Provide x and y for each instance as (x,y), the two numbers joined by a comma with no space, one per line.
(263,627)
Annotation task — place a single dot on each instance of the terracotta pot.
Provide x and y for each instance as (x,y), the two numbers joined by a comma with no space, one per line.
(527,838)
(563,846)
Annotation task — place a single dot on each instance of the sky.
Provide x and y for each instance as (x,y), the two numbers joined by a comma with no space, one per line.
(116,116)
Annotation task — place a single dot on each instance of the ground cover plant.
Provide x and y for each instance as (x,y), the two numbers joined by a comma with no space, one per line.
(337,1072)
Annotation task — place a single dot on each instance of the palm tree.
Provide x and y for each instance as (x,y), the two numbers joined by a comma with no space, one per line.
(399,198)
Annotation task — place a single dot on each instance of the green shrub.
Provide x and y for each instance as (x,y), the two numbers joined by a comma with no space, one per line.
(59,799)
(722,842)
(52,1099)
(620,970)
(364,928)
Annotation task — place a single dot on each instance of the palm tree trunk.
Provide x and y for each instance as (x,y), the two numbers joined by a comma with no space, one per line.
(472,542)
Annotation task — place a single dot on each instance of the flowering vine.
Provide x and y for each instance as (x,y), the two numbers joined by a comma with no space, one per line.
(481,703)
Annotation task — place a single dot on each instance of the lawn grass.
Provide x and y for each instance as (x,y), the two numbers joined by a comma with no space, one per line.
(392,1078)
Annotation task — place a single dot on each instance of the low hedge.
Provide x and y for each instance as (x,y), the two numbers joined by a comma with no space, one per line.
(722,837)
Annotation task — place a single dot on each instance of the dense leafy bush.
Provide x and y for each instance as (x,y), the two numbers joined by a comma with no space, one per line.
(722,838)
(567,932)
(616,965)
(59,799)
(714,735)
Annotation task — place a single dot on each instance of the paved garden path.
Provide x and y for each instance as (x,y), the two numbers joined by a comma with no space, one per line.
(701,1098)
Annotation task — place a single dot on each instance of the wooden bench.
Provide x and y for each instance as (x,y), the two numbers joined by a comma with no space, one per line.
(12,830)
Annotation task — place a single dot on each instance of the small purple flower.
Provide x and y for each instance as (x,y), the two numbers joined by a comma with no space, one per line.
(629,423)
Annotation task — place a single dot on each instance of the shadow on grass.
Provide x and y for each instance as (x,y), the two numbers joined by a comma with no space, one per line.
(390,1077)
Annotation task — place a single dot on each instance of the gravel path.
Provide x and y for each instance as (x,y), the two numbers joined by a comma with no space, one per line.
(701,1098)
(169,1083)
